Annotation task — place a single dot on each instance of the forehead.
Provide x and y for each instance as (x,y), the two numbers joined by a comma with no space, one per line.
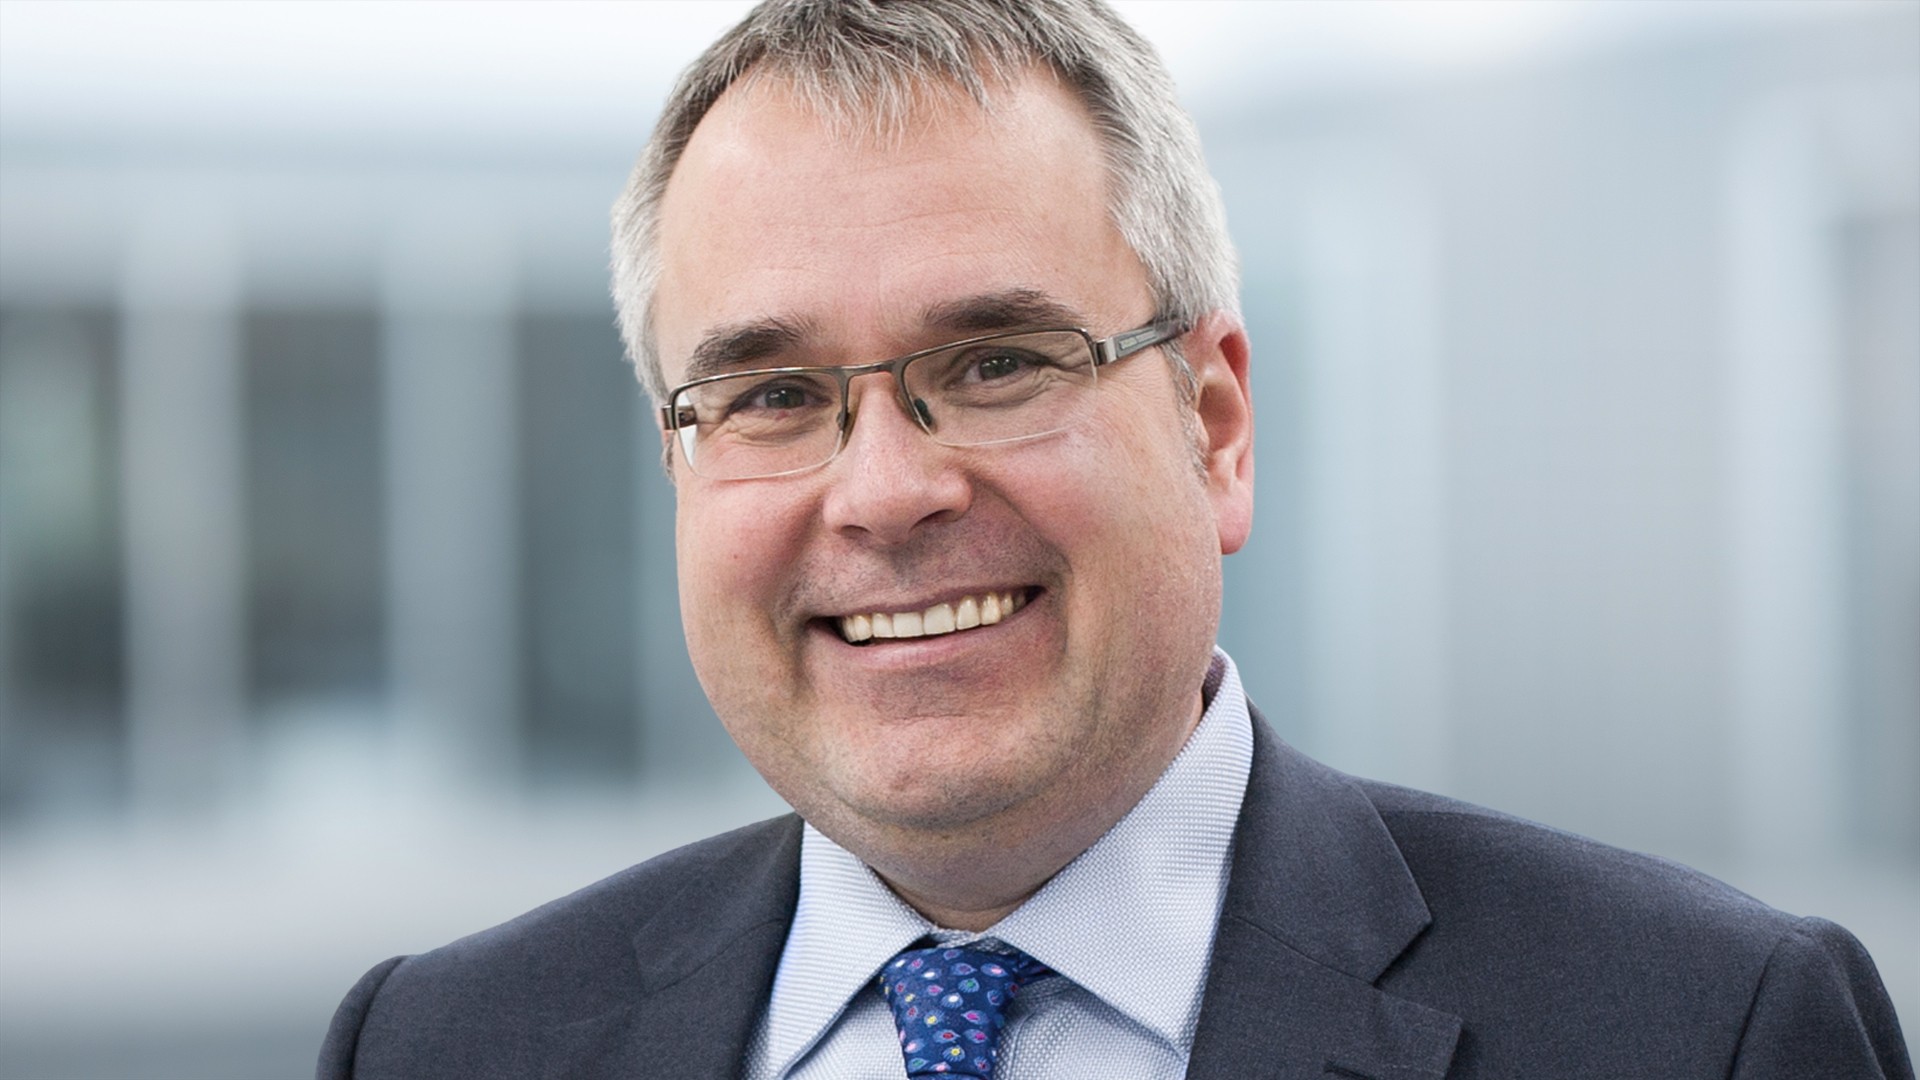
(846,241)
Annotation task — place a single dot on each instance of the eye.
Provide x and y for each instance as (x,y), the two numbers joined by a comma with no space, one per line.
(777,396)
(998,365)
(999,373)
(780,397)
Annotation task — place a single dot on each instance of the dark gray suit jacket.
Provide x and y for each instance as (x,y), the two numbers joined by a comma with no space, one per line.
(1369,931)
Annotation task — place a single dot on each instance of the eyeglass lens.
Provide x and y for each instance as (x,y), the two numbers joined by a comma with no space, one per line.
(765,423)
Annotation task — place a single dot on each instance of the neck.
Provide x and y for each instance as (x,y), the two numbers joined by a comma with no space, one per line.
(972,919)
(970,883)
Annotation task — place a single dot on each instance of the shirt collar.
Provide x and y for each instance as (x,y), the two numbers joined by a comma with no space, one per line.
(1146,896)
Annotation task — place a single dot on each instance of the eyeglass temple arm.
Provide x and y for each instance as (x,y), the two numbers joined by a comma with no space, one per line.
(1121,346)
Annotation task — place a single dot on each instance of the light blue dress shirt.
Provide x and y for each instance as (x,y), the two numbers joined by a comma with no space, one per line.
(1128,925)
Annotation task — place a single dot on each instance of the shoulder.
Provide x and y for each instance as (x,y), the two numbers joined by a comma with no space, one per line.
(1540,937)
(1541,905)
(595,927)
(1467,858)
(574,957)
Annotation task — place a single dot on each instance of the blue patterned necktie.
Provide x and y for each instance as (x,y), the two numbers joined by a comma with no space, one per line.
(950,1005)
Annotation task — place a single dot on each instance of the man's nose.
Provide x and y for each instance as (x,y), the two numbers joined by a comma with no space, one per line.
(890,477)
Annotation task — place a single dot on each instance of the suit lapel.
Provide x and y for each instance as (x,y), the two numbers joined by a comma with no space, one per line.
(1318,904)
(706,962)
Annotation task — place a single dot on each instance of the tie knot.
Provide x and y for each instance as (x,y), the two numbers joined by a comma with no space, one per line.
(950,1004)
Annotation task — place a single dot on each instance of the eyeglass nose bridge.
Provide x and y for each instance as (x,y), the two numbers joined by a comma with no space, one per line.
(915,408)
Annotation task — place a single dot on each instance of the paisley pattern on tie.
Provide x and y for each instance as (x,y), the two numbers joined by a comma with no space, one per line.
(950,1004)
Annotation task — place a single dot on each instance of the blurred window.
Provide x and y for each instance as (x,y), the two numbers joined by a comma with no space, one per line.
(61,669)
(580,441)
(314,511)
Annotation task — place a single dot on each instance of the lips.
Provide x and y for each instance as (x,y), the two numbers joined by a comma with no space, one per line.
(966,613)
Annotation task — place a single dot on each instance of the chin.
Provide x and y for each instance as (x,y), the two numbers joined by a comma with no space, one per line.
(945,796)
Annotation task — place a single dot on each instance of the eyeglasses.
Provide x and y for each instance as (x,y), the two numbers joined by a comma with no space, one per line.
(999,388)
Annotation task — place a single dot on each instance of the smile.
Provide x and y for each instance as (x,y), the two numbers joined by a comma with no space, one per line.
(945,618)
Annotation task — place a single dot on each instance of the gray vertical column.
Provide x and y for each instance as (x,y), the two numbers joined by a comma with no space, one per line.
(9,556)
(183,528)
(1785,530)
(452,520)
(1375,454)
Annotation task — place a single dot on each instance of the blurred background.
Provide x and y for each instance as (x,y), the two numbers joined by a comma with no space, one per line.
(337,604)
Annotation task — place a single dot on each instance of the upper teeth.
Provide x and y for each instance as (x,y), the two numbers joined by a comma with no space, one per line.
(969,612)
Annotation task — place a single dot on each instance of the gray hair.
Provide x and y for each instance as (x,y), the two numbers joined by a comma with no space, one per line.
(872,61)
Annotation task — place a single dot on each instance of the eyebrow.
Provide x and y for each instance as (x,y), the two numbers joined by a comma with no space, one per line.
(745,344)
(1009,309)
(742,344)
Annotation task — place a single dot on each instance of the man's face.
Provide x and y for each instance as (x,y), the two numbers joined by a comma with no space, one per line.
(842,251)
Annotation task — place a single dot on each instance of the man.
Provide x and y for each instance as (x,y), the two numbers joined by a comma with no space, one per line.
(938,304)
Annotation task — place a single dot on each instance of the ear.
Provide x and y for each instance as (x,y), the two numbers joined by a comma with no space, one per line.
(1217,349)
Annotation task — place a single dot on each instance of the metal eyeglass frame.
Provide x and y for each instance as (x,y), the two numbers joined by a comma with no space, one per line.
(1108,350)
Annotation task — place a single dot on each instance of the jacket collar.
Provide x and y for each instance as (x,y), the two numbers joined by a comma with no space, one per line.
(705,961)
(1319,904)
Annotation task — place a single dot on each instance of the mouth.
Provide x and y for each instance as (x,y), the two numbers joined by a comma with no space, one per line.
(952,617)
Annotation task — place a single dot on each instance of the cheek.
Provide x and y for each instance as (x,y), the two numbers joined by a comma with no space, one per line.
(1138,524)
(1120,520)
(1142,480)
(730,535)
(734,552)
